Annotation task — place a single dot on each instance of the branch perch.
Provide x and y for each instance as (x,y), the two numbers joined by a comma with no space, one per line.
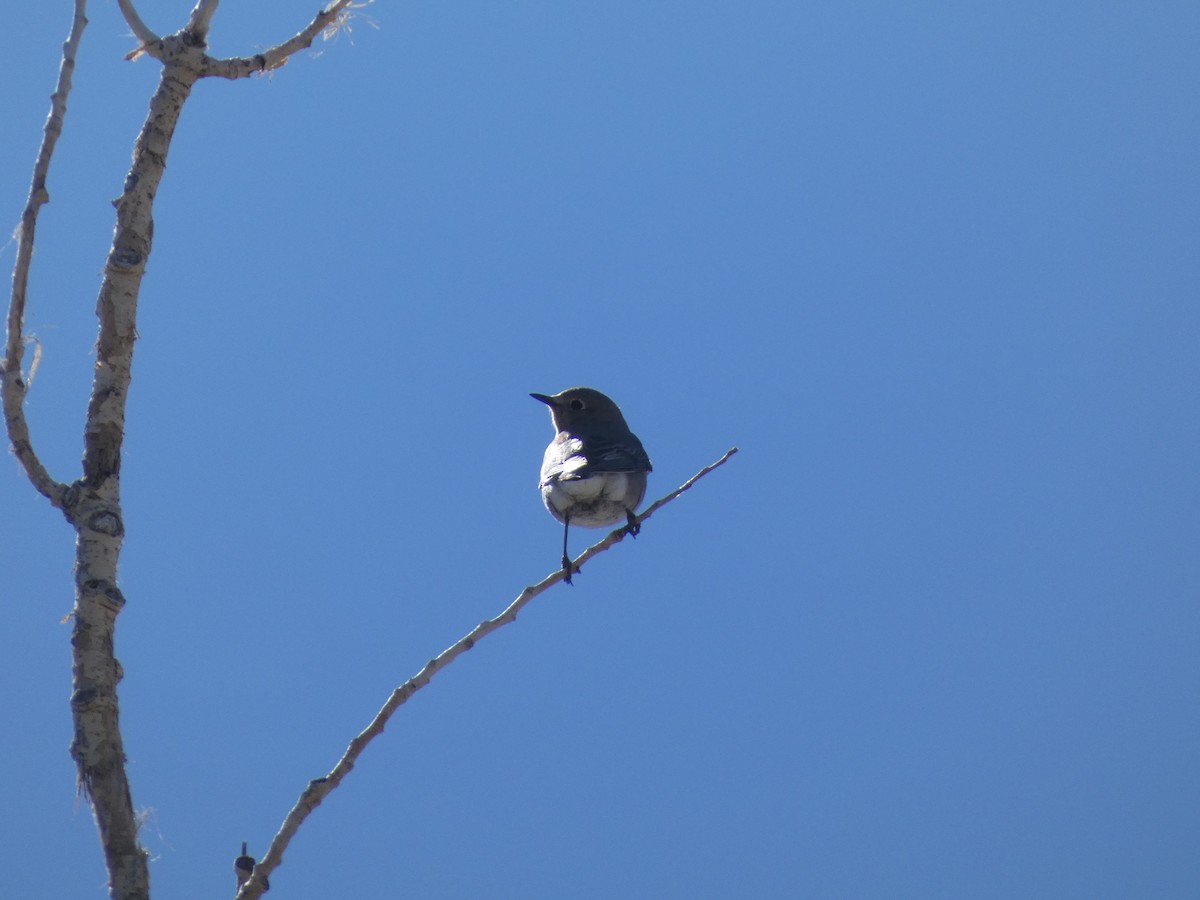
(319,788)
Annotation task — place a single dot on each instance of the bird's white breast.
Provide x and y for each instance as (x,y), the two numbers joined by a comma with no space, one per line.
(594,502)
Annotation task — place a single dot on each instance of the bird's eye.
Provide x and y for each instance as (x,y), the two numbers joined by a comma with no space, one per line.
(576,404)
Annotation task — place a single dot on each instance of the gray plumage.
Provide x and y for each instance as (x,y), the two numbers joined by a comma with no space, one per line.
(594,471)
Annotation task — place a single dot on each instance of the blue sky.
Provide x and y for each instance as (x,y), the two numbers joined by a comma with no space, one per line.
(932,634)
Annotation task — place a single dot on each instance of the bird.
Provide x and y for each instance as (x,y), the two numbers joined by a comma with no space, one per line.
(594,471)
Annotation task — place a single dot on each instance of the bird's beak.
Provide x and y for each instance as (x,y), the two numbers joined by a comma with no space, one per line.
(549,401)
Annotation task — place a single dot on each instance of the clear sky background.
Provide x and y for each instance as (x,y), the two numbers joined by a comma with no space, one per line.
(933,633)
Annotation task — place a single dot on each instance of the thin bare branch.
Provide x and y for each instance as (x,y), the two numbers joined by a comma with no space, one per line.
(319,788)
(617,536)
(147,38)
(328,20)
(201,19)
(14,387)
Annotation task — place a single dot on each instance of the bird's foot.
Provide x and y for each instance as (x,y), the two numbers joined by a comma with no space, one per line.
(568,568)
(634,526)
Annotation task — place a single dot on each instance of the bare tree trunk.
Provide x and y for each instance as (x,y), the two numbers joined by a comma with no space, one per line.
(94,503)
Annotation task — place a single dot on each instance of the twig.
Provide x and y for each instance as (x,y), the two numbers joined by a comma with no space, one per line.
(14,350)
(617,536)
(319,788)
(328,18)
(148,39)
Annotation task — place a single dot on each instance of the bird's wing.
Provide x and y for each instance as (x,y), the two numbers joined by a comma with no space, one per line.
(622,455)
(570,458)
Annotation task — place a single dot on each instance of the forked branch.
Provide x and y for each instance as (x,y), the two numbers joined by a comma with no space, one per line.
(93,503)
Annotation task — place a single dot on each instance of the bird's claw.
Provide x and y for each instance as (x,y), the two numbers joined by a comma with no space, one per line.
(634,526)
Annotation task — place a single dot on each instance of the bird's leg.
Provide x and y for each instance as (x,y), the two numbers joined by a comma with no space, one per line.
(566,560)
(634,525)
